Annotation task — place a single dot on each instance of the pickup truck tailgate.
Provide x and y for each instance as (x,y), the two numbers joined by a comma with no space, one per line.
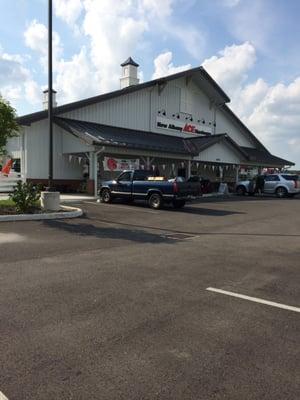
(186,189)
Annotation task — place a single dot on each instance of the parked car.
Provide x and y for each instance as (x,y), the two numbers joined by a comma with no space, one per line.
(142,185)
(282,185)
(205,184)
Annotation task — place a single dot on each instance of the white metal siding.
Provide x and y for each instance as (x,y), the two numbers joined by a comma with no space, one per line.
(225,125)
(63,167)
(37,154)
(138,110)
(36,150)
(220,153)
(72,144)
(127,111)
(14,147)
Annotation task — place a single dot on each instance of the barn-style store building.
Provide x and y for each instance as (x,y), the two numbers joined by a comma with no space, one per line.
(176,125)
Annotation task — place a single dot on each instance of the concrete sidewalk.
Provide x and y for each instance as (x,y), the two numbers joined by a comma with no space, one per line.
(64,198)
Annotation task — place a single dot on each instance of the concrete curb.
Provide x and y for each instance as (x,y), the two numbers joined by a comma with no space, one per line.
(70,212)
(207,195)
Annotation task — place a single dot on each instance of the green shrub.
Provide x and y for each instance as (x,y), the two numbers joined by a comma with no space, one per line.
(25,196)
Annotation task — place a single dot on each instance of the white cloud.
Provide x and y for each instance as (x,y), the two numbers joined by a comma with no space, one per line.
(33,92)
(294,145)
(111,33)
(36,38)
(192,40)
(254,21)
(68,10)
(230,67)
(76,79)
(249,96)
(14,78)
(157,8)
(272,112)
(277,115)
(163,65)
(114,34)
(160,16)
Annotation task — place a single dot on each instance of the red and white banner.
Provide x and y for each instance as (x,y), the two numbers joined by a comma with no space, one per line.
(120,164)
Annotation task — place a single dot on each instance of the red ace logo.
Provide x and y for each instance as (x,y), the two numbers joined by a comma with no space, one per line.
(189,128)
(112,164)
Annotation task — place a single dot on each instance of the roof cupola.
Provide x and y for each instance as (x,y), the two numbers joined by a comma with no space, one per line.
(129,73)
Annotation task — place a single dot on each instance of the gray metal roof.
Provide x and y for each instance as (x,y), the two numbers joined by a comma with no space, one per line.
(129,61)
(121,137)
(201,143)
(107,135)
(264,158)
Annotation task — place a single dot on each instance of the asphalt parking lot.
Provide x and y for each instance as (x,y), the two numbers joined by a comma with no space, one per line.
(114,305)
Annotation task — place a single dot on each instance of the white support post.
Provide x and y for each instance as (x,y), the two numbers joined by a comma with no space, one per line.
(149,162)
(237,174)
(96,170)
(91,169)
(95,174)
(221,173)
(22,160)
(189,167)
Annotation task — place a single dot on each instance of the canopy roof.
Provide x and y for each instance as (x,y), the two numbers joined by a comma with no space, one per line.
(112,136)
(264,158)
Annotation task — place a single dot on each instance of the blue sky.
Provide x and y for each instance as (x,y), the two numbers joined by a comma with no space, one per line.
(251,47)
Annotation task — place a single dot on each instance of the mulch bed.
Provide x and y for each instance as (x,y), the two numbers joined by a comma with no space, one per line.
(11,210)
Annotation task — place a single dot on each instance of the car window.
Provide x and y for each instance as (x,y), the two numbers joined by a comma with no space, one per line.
(125,177)
(291,177)
(271,178)
(141,175)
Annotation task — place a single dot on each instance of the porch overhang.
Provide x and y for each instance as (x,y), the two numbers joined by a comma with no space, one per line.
(263,158)
(116,139)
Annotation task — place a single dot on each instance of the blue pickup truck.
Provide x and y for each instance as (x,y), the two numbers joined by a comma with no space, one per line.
(142,185)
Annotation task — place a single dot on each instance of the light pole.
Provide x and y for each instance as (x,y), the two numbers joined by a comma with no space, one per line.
(50,199)
(50,97)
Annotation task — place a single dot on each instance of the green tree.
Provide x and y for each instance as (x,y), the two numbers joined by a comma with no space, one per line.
(8,124)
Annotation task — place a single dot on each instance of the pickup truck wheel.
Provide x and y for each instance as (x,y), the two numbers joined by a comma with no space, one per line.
(178,203)
(105,196)
(240,190)
(281,192)
(155,201)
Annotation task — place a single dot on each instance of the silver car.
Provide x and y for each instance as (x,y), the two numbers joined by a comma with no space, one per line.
(282,185)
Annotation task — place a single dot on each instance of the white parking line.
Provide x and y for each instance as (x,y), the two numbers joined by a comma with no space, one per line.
(2,397)
(11,238)
(255,299)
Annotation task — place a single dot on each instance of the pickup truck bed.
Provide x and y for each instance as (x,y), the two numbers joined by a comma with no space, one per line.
(138,184)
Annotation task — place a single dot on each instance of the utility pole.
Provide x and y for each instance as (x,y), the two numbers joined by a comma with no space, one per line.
(50,97)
